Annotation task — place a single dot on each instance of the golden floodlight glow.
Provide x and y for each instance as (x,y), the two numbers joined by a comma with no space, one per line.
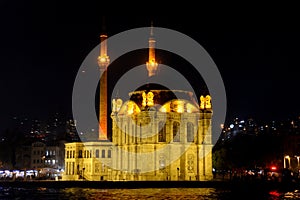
(190,108)
(163,109)
(150,101)
(144,103)
(147,99)
(119,103)
(102,59)
(180,106)
(205,102)
(114,105)
(202,102)
(208,102)
(130,107)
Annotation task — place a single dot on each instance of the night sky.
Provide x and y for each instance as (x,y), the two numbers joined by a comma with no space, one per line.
(42,48)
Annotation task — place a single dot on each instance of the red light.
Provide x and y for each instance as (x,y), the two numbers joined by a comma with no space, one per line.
(273,168)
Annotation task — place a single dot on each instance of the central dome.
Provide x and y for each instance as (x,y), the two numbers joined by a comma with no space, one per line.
(160,98)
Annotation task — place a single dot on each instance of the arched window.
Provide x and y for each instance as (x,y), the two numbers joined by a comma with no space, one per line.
(190,132)
(162,132)
(176,131)
(109,153)
(80,154)
(103,153)
(97,153)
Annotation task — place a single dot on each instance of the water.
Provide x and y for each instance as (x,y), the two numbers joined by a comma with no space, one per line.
(145,193)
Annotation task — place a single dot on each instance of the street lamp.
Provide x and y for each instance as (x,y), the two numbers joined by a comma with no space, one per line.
(178,173)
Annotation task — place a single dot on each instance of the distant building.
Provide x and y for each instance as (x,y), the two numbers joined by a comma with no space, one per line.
(71,132)
(40,155)
(54,155)
(37,155)
(23,157)
(291,152)
(277,143)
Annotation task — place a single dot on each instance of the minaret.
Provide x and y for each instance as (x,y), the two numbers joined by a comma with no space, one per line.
(151,64)
(103,62)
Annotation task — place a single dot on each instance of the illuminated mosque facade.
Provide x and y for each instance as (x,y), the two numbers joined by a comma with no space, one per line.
(157,135)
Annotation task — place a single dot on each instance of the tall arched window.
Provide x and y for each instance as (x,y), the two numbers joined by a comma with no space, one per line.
(162,132)
(190,132)
(97,153)
(103,153)
(176,131)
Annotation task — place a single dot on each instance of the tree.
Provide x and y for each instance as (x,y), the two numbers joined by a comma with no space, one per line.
(220,159)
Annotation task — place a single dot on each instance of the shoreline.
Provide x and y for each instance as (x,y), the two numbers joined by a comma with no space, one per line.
(231,185)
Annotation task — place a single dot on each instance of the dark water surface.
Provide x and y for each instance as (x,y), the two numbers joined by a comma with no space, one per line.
(144,193)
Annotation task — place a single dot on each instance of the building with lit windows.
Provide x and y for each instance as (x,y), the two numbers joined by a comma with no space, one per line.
(158,134)
(37,155)
(54,156)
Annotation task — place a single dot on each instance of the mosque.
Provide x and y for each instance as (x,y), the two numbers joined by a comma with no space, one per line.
(159,134)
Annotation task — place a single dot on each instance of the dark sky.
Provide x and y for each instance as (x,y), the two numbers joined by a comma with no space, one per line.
(43,46)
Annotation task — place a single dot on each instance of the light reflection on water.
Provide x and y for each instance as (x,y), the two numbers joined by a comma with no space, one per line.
(149,193)
(144,193)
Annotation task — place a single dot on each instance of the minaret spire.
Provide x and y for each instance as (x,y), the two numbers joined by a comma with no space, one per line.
(151,64)
(103,62)
(151,29)
(103,28)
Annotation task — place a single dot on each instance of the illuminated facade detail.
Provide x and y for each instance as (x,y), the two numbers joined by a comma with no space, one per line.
(130,108)
(205,102)
(208,102)
(150,130)
(162,128)
(179,106)
(144,103)
(202,102)
(85,162)
(116,105)
(148,99)
(149,121)
(176,132)
(190,132)
(103,62)
(151,64)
